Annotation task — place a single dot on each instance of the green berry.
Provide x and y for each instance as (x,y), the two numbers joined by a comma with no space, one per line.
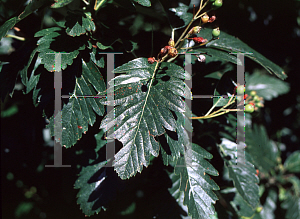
(258,209)
(240,90)
(216,32)
(217,4)
(256,98)
(249,108)
(253,93)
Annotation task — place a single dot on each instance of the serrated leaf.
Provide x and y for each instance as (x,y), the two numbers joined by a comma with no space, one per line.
(195,182)
(78,23)
(232,44)
(100,62)
(55,40)
(7,26)
(266,86)
(177,146)
(60,3)
(262,152)
(242,173)
(80,111)
(292,163)
(143,103)
(146,3)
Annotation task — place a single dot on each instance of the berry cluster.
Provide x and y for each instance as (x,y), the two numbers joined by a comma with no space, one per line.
(252,102)
(171,49)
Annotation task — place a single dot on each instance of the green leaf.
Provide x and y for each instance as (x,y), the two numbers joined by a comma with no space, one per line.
(266,86)
(102,47)
(80,111)
(34,77)
(32,6)
(292,163)
(292,205)
(55,40)
(262,151)
(7,26)
(177,145)
(195,182)
(232,44)
(23,72)
(78,23)
(143,101)
(270,205)
(242,173)
(60,3)
(146,3)
(213,54)
(178,16)
(86,188)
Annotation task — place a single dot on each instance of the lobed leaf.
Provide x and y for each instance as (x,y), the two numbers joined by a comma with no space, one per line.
(54,40)
(80,111)
(78,23)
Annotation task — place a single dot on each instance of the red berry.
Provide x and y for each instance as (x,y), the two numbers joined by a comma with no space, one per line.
(199,40)
(164,50)
(245,96)
(172,52)
(211,19)
(252,103)
(151,60)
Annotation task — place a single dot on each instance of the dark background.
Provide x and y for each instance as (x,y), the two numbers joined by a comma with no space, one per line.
(29,190)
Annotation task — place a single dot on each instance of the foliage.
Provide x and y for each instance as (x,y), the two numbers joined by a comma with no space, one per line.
(150,117)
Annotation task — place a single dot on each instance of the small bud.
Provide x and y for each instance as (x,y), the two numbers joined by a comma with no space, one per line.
(205,18)
(199,40)
(211,19)
(171,42)
(201,58)
(253,93)
(164,50)
(151,60)
(172,52)
(194,30)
